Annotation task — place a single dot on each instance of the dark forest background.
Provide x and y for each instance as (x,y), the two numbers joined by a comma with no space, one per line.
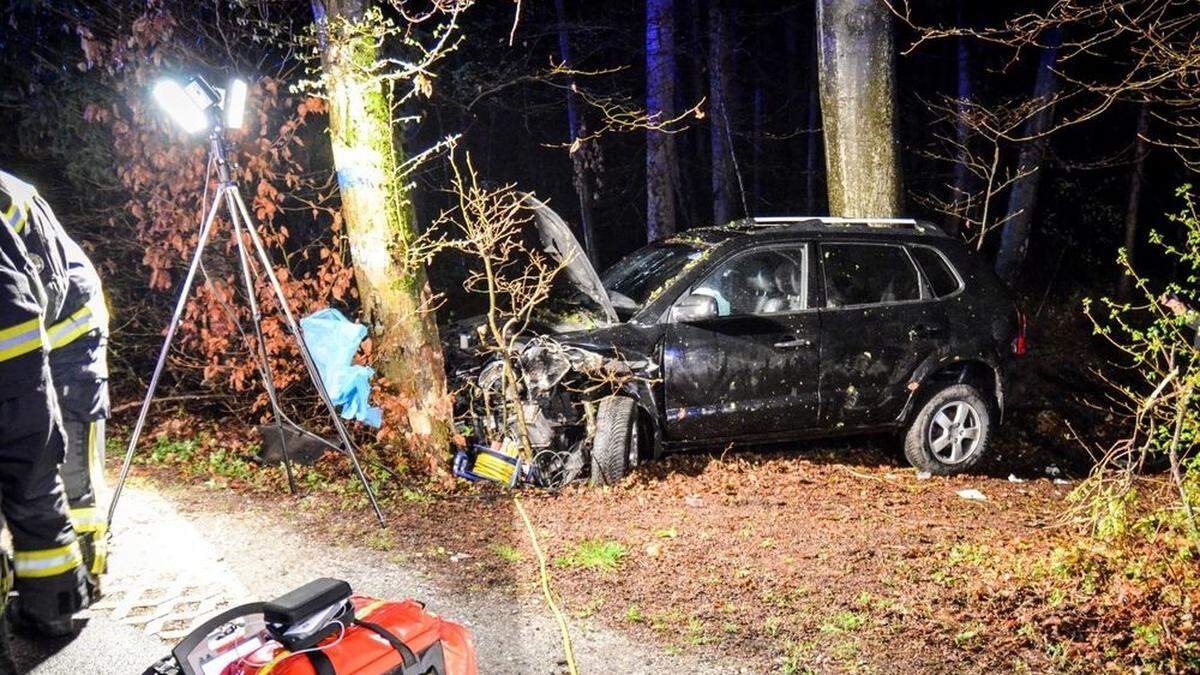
(81,125)
(1086,113)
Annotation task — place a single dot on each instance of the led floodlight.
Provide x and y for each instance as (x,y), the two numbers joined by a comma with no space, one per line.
(174,99)
(235,103)
(198,106)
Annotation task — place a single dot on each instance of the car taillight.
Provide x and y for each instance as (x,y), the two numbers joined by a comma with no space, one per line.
(1019,343)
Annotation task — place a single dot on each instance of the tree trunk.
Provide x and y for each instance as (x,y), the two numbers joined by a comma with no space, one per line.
(698,180)
(963,94)
(660,101)
(813,134)
(720,64)
(1136,179)
(857,66)
(582,176)
(1022,197)
(379,219)
(812,155)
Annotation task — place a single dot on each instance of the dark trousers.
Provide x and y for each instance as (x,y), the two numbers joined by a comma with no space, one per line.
(48,571)
(83,479)
(80,371)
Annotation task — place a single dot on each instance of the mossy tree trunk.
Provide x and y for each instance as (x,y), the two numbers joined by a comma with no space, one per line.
(379,219)
(857,70)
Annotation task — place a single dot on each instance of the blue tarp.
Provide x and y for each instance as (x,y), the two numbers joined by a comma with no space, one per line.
(333,341)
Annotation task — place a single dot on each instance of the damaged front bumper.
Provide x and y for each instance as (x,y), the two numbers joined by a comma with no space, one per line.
(542,433)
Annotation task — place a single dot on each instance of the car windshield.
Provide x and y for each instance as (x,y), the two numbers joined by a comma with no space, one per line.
(632,282)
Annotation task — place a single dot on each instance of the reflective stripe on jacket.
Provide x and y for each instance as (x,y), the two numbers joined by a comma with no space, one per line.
(90,317)
(23,340)
(15,217)
(74,302)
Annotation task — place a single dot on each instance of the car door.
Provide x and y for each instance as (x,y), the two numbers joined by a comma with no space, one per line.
(879,322)
(749,368)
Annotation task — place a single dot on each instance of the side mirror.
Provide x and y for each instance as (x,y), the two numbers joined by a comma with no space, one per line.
(694,308)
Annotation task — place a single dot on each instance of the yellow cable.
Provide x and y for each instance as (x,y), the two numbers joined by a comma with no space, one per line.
(568,650)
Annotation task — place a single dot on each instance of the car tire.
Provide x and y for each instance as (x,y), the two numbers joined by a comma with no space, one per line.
(951,432)
(615,446)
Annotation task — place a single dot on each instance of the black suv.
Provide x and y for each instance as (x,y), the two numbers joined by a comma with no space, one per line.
(770,329)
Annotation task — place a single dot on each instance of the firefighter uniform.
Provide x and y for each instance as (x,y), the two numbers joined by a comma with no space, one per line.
(77,329)
(49,576)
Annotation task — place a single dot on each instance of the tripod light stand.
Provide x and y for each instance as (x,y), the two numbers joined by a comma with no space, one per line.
(197,107)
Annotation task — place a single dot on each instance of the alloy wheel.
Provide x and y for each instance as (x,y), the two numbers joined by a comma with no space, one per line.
(954,432)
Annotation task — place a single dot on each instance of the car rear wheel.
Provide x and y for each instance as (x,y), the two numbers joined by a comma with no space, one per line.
(615,446)
(951,433)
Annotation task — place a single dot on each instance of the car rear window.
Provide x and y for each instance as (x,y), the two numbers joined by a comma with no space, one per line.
(868,274)
(941,278)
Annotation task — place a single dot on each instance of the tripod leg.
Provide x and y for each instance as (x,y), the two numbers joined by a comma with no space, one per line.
(309,364)
(180,304)
(265,359)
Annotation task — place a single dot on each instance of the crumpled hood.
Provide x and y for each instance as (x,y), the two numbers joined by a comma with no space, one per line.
(560,244)
(625,341)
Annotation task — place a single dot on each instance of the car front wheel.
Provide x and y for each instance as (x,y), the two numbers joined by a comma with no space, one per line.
(615,446)
(951,433)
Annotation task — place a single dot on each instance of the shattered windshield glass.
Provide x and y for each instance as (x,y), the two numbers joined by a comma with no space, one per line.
(635,278)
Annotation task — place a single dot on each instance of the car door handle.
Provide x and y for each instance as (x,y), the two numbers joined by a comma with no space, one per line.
(798,343)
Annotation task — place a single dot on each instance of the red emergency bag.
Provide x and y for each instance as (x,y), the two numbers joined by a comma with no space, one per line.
(322,629)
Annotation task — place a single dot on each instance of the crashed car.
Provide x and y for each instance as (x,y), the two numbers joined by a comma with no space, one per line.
(764,330)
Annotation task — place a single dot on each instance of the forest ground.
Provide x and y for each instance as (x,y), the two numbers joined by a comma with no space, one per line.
(822,557)
(832,559)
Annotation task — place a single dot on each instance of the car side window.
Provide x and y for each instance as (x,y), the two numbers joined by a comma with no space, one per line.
(942,278)
(868,274)
(765,281)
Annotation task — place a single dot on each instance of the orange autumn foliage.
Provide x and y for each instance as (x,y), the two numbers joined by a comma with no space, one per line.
(165,174)
(285,172)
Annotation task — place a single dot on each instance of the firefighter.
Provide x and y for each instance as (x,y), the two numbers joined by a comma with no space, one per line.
(77,328)
(49,577)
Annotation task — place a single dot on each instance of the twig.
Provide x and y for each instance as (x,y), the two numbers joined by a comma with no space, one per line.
(168,399)
(1176,474)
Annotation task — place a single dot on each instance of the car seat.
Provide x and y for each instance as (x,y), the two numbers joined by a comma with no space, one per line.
(789,279)
(762,292)
(784,294)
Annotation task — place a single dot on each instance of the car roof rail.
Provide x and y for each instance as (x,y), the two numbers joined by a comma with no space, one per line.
(830,220)
(833,221)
